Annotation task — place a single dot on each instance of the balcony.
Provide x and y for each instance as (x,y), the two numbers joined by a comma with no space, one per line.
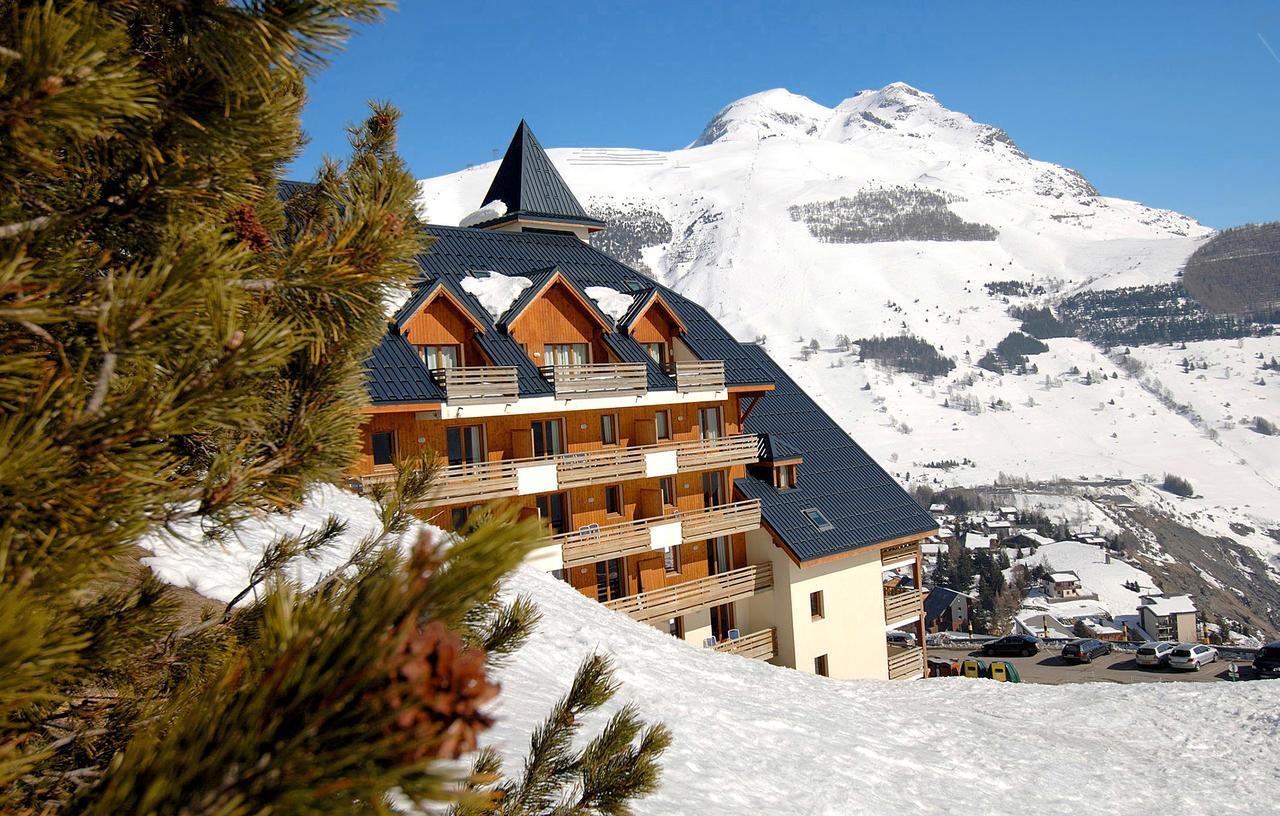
(690,596)
(720,452)
(698,375)
(762,645)
(901,606)
(597,380)
(594,543)
(899,554)
(478,385)
(905,664)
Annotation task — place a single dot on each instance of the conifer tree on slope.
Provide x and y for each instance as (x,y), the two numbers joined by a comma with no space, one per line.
(176,344)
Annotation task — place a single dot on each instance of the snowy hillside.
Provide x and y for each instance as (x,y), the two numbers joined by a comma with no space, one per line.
(890,214)
(752,738)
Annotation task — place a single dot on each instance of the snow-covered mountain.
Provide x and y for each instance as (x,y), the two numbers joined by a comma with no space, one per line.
(890,214)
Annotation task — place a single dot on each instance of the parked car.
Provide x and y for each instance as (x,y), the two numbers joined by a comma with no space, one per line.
(905,639)
(1155,653)
(1085,650)
(1192,656)
(1025,645)
(1267,661)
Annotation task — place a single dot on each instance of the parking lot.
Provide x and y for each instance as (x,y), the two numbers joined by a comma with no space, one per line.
(1119,667)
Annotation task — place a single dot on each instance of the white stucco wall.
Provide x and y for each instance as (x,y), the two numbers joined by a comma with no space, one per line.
(852,630)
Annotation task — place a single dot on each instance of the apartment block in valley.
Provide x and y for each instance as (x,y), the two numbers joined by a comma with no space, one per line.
(684,479)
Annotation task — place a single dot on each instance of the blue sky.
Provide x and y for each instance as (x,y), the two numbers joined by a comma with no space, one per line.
(1174,104)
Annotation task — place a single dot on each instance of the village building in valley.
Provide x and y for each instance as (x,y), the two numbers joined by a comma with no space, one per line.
(685,480)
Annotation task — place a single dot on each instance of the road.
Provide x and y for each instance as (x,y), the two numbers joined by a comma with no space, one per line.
(1049,668)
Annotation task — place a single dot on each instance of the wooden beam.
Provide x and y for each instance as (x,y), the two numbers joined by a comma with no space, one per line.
(742,415)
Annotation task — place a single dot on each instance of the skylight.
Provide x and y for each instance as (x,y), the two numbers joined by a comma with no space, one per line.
(817,519)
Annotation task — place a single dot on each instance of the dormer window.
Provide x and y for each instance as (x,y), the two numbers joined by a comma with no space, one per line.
(784,477)
(657,352)
(443,356)
(565,354)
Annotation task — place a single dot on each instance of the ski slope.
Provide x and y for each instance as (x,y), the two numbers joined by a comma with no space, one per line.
(753,738)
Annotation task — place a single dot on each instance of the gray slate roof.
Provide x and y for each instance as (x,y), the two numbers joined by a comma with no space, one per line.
(863,503)
(529,184)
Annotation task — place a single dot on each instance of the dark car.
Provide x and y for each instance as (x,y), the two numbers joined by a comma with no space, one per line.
(1024,645)
(1085,650)
(1267,661)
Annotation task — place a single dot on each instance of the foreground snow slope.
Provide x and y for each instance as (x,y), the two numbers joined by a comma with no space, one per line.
(753,738)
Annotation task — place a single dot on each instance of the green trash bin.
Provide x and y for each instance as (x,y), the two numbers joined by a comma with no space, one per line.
(1005,672)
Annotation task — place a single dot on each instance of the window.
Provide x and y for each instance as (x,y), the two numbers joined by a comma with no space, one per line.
(668,488)
(675,627)
(441,356)
(817,519)
(384,448)
(548,437)
(609,429)
(613,500)
(815,605)
(785,476)
(565,354)
(461,515)
(714,489)
(554,508)
(609,580)
(671,559)
(719,555)
(820,666)
(709,426)
(662,424)
(465,444)
(657,352)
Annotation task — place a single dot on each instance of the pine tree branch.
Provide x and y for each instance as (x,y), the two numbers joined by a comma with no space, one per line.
(20,227)
(102,384)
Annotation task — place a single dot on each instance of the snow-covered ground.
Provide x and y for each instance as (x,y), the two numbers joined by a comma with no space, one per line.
(735,248)
(753,738)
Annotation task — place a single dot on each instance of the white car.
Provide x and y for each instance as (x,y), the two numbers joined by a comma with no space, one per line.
(1155,653)
(1191,656)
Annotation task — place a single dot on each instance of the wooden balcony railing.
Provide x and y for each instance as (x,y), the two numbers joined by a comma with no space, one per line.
(906,663)
(698,375)
(724,451)
(899,552)
(762,645)
(597,379)
(477,385)
(701,593)
(483,481)
(725,519)
(608,464)
(901,605)
(595,543)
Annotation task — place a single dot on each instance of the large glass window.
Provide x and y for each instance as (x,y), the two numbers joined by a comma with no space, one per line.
(466,444)
(714,489)
(554,508)
(609,577)
(548,437)
(384,448)
(709,424)
(565,354)
(657,352)
(441,356)
(662,424)
(609,429)
(613,500)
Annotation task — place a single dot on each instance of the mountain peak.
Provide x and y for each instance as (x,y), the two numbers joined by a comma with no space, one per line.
(775,112)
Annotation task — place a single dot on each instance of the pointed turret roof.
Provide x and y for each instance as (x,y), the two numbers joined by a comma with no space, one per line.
(531,187)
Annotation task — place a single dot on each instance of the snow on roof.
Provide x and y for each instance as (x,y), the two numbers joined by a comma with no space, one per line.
(1162,605)
(611,301)
(1064,577)
(937,508)
(1008,509)
(494,209)
(496,292)
(999,524)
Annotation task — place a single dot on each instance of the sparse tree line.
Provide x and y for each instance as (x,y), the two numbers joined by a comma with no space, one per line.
(1145,315)
(889,214)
